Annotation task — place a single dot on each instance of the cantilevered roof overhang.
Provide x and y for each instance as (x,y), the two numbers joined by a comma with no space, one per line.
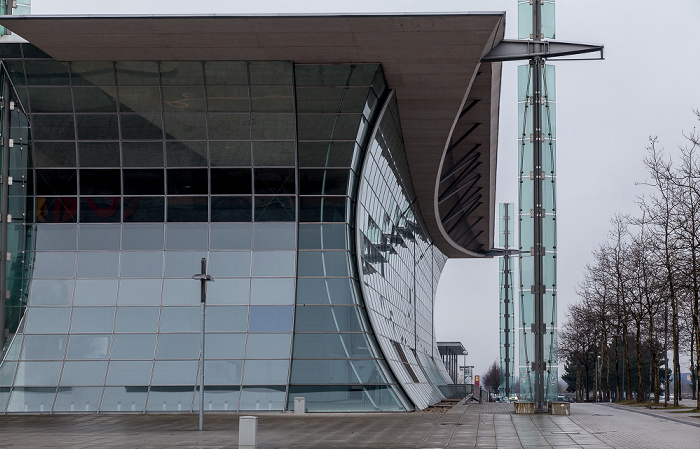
(448,100)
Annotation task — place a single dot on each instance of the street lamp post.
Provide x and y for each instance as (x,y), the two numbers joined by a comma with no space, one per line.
(203,277)
(597,363)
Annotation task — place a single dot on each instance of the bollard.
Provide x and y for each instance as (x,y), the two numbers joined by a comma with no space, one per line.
(299,405)
(248,432)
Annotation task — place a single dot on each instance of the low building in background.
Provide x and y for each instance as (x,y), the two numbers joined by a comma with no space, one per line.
(325,166)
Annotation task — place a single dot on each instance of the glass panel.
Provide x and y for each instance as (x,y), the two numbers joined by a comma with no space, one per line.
(222,372)
(186,154)
(174,373)
(181,319)
(274,181)
(56,210)
(274,236)
(183,263)
(99,237)
(262,398)
(54,154)
(142,237)
(226,72)
(133,346)
(273,153)
(98,264)
(328,319)
(276,208)
(270,72)
(272,291)
(53,127)
(56,182)
(173,399)
(187,236)
(144,209)
(47,72)
(139,292)
(228,291)
(330,346)
(88,346)
(325,291)
(47,320)
(230,236)
(181,291)
(93,99)
(340,371)
(178,346)
(51,292)
(316,209)
(323,182)
(187,181)
(231,209)
(183,99)
(185,126)
(188,209)
(97,127)
(141,126)
(142,154)
(56,237)
(326,154)
(92,319)
(329,127)
(231,181)
(233,154)
(92,73)
(268,346)
(268,372)
(181,72)
(229,263)
(324,263)
(228,99)
(274,263)
(142,264)
(54,265)
(270,319)
(129,373)
(95,292)
(137,319)
(229,126)
(123,399)
(100,210)
(100,182)
(139,99)
(273,126)
(98,154)
(137,73)
(38,373)
(144,182)
(43,347)
(323,236)
(224,346)
(50,99)
(226,319)
(84,373)
(338,398)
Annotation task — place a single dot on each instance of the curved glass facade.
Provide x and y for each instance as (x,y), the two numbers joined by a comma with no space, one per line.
(139,169)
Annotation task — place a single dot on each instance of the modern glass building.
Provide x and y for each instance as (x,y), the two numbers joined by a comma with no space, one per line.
(325,167)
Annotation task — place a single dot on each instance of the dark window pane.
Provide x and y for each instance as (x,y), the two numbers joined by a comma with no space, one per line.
(323,236)
(47,72)
(144,209)
(54,154)
(97,127)
(10,51)
(323,182)
(234,154)
(184,126)
(274,181)
(326,154)
(316,209)
(100,210)
(322,75)
(100,182)
(273,126)
(50,99)
(139,99)
(183,99)
(275,208)
(182,181)
(98,154)
(141,126)
(231,181)
(272,98)
(324,263)
(137,73)
(331,99)
(56,182)
(329,127)
(229,126)
(270,72)
(92,73)
(16,71)
(181,72)
(270,319)
(328,319)
(273,154)
(325,291)
(231,208)
(142,154)
(188,208)
(94,99)
(144,182)
(56,210)
(228,99)
(226,72)
(53,127)
(186,154)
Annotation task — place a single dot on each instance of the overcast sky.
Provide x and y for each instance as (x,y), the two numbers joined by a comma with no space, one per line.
(648,84)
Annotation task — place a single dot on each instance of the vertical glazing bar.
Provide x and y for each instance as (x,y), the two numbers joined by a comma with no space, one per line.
(4,195)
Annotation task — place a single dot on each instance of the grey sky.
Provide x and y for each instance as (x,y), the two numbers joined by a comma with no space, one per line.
(648,85)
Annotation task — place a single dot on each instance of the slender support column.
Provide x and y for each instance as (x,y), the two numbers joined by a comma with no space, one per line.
(4,195)
(203,277)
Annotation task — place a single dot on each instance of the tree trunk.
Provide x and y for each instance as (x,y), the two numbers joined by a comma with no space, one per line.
(693,379)
(628,368)
(638,341)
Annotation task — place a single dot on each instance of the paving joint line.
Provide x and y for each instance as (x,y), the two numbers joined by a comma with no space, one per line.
(655,415)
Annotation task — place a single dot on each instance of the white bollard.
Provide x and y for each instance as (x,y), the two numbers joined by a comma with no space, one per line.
(299,405)
(248,432)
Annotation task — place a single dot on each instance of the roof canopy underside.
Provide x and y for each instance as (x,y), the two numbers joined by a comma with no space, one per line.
(432,61)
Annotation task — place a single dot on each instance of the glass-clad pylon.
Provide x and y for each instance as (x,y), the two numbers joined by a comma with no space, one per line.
(507,312)
(528,176)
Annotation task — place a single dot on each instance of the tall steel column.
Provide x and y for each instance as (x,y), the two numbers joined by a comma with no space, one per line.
(4,195)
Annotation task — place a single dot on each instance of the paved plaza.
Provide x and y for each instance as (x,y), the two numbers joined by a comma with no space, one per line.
(590,426)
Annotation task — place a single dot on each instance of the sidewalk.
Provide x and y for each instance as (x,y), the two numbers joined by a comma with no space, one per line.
(590,426)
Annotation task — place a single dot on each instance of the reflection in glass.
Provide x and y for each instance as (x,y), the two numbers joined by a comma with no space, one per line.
(270,319)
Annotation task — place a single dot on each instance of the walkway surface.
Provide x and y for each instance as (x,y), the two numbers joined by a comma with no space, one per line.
(590,426)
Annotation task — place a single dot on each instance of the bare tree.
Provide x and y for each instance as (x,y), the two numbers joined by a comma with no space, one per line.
(492,378)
